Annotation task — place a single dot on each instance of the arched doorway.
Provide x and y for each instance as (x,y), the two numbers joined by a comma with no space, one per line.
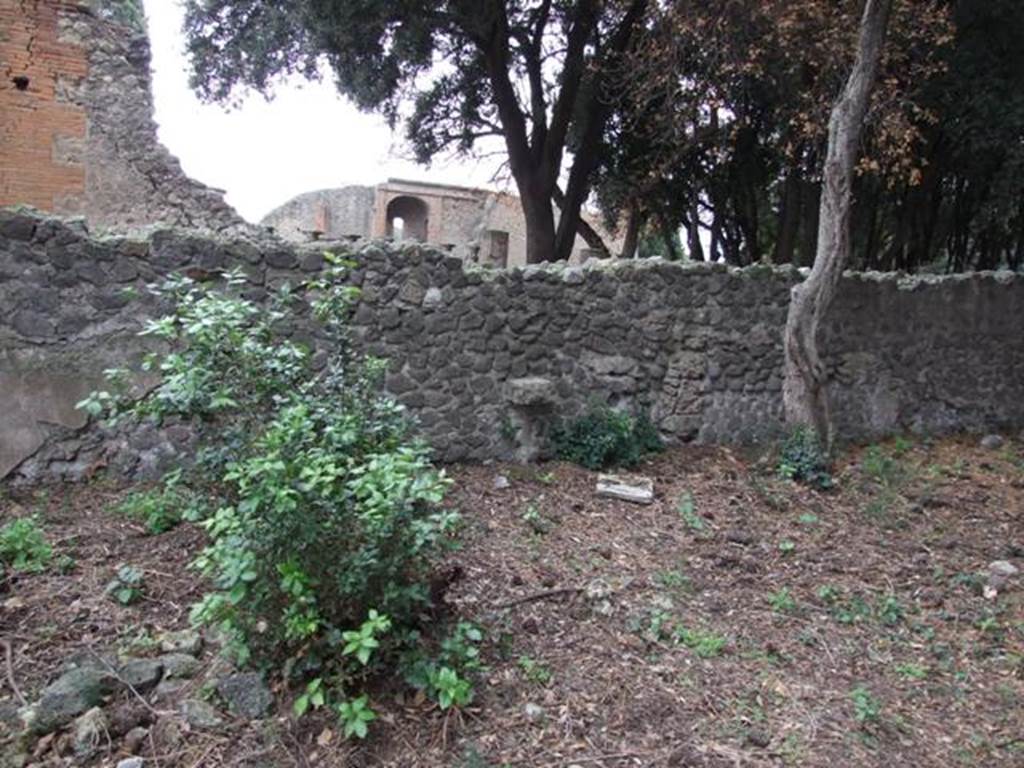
(407,218)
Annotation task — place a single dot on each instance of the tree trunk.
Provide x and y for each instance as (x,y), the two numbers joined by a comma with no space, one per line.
(632,237)
(804,390)
(540,225)
(583,228)
(789,219)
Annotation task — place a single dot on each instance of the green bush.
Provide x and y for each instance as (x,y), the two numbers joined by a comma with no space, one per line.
(329,525)
(803,460)
(23,545)
(606,437)
(161,509)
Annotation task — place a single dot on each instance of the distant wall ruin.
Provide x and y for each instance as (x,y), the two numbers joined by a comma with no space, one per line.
(477,225)
(77,135)
(698,346)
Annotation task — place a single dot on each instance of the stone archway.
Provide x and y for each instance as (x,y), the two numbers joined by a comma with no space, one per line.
(407,218)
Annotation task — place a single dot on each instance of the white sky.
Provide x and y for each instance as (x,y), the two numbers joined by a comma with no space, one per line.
(264,153)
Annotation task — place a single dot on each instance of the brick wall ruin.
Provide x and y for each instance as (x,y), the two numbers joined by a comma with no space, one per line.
(477,225)
(699,346)
(77,135)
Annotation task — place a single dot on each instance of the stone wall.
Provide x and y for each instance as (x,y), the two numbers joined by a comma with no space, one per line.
(698,346)
(82,139)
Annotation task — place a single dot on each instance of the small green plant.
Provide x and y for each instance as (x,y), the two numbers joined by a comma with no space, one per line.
(363,642)
(447,678)
(883,467)
(828,594)
(534,520)
(314,696)
(912,671)
(127,585)
(852,611)
(508,429)
(866,708)
(687,510)
(356,715)
(890,610)
(23,545)
(606,437)
(705,644)
(787,546)
(803,460)
(674,580)
(807,518)
(782,601)
(534,671)
(164,507)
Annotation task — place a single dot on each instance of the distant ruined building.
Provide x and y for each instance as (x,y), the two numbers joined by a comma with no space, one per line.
(77,135)
(478,225)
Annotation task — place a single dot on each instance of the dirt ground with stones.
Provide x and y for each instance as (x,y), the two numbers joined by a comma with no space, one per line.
(739,620)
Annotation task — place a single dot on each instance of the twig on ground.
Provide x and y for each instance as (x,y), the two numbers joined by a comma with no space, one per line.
(9,662)
(546,595)
(124,682)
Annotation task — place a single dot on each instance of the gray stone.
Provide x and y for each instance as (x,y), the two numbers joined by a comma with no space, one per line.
(141,674)
(131,762)
(33,324)
(181,641)
(500,482)
(433,298)
(177,665)
(246,694)
(200,714)
(135,739)
(992,442)
(534,713)
(1001,573)
(90,733)
(531,391)
(76,691)
(17,226)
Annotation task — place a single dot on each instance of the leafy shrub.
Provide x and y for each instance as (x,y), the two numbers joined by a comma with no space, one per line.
(161,509)
(127,585)
(320,553)
(23,545)
(447,677)
(803,460)
(606,437)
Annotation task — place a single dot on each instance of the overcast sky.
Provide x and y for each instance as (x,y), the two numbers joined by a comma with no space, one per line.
(265,153)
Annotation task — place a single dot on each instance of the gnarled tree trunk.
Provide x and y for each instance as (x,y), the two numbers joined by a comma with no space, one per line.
(804,390)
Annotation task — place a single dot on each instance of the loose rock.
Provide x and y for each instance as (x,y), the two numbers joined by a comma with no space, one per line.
(199,714)
(183,641)
(534,712)
(75,692)
(141,674)
(135,739)
(131,762)
(992,442)
(1000,574)
(179,665)
(90,731)
(246,694)
(634,488)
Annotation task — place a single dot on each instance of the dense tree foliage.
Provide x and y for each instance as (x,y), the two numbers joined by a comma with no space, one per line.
(532,73)
(723,126)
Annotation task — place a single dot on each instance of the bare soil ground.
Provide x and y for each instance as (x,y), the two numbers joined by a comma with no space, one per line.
(740,620)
